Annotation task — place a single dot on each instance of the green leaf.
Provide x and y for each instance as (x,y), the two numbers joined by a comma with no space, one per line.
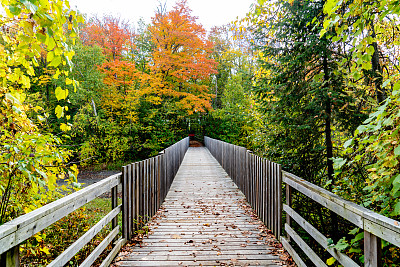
(329,6)
(348,143)
(342,244)
(358,237)
(41,37)
(59,111)
(355,250)
(50,56)
(60,93)
(326,23)
(29,5)
(330,261)
(397,151)
(12,98)
(55,62)
(396,210)
(330,242)
(354,231)
(396,86)
(15,10)
(396,185)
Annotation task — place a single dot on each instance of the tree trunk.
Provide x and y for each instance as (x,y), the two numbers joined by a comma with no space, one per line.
(377,68)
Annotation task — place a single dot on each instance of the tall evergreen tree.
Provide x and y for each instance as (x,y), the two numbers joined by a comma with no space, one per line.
(302,90)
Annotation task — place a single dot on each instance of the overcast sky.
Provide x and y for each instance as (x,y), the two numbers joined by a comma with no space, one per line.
(210,12)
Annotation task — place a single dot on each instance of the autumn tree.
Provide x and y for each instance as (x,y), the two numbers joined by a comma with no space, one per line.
(110,33)
(31,159)
(180,60)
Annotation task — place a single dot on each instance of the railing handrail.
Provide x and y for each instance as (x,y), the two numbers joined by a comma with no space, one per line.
(375,226)
(361,216)
(259,179)
(20,229)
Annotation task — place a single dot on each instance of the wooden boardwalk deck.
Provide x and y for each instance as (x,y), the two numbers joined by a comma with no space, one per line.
(203,222)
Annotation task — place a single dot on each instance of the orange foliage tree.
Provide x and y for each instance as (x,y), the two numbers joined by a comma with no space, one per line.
(181,62)
(112,34)
(115,38)
(119,96)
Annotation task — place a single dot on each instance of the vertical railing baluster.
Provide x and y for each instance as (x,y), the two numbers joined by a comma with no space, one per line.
(372,250)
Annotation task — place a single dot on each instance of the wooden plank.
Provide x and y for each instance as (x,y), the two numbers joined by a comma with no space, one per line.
(319,237)
(114,204)
(108,260)
(25,226)
(382,228)
(100,248)
(270,196)
(129,200)
(64,257)
(133,198)
(146,190)
(279,197)
(125,211)
(203,211)
(194,262)
(10,258)
(288,205)
(304,247)
(292,253)
(273,201)
(372,250)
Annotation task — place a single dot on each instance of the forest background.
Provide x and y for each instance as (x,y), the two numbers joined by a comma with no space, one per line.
(312,85)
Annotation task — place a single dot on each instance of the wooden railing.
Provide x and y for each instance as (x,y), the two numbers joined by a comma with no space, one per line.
(259,179)
(375,226)
(144,186)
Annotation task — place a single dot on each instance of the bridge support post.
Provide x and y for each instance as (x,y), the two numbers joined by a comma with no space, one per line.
(10,258)
(372,250)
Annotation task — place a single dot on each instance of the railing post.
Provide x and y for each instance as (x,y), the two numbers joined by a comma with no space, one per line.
(372,250)
(289,203)
(279,204)
(162,176)
(114,204)
(124,203)
(10,258)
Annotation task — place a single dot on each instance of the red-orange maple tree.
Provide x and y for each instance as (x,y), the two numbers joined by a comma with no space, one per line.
(181,59)
(116,40)
(112,34)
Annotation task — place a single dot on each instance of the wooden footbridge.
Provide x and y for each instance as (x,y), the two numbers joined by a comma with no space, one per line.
(210,206)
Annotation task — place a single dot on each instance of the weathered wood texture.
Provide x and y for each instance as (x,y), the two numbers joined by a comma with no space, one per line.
(16,231)
(202,222)
(375,226)
(259,179)
(145,185)
(142,194)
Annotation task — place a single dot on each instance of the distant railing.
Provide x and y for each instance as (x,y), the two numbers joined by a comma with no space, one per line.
(144,187)
(259,179)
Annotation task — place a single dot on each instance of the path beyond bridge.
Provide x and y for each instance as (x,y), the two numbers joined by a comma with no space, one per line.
(204,221)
